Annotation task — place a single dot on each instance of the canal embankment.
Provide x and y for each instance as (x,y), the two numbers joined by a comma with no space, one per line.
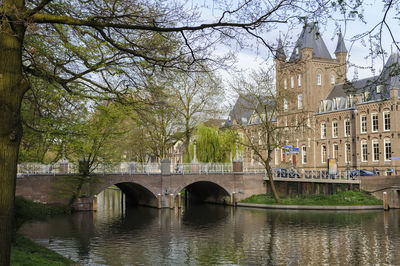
(347,200)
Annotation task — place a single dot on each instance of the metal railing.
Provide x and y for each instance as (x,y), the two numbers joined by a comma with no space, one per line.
(186,168)
(202,168)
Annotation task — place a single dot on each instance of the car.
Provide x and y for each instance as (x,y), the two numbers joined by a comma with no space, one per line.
(361,172)
(283,172)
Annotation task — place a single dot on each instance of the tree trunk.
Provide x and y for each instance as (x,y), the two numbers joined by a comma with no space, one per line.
(272,183)
(12,88)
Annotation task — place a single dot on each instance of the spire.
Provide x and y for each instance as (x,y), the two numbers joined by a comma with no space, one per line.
(340,47)
(310,37)
(280,52)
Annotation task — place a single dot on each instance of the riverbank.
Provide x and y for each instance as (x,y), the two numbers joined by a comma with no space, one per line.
(348,200)
(23,250)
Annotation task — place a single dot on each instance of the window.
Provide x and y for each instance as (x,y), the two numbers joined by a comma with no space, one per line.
(374,122)
(334,129)
(375,150)
(379,88)
(299,80)
(347,127)
(259,138)
(332,79)
(282,155)
(347,154)
(323,153)
(335,151)
(386,121)
(318,79)
(297,50)
(300,101)
(323,131)
(363,125)
(364,151)
(285,84)
(388,150)
(304,154)
(292,82)
(285,105)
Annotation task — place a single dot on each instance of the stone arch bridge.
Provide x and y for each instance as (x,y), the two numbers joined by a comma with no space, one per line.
(153,190)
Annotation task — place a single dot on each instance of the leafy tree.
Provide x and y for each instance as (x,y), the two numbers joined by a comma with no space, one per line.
(213,145)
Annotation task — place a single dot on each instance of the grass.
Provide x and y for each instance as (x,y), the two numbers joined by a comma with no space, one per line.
(348,198)
(27,252)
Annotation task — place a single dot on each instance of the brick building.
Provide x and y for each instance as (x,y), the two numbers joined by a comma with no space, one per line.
(356,123)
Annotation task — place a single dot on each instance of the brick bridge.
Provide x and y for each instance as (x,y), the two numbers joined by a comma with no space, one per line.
(144,189)
(159,189)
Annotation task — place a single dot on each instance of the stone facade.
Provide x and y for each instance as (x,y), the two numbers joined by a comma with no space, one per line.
(352,122)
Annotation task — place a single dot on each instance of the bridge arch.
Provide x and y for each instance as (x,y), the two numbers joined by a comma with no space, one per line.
(203,190)
(135,193)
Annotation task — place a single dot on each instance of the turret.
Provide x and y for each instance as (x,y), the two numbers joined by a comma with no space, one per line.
(341,55)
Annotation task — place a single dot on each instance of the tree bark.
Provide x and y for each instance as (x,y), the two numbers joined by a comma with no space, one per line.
(12,88)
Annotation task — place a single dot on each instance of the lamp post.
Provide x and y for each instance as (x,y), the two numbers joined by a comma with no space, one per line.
(194,151)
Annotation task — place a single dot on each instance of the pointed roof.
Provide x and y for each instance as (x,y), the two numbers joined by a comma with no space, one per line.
(280,52)
(340,47)
(310,38)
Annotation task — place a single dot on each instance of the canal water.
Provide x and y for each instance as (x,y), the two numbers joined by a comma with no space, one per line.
(220,235)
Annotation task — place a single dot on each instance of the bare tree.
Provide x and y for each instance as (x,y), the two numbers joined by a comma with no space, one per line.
(267,126)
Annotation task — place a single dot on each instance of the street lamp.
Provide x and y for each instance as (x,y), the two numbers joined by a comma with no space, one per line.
(194,151)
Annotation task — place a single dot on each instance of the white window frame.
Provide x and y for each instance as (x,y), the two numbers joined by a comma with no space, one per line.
(373,129)
(259,138)
(335,129)
(332,79)
(375,154)
(285,105)
(364,153)
(285,83)
(363,124)
(386,126)
(347,125)
(323,130)
(303,154)
(300,101)
(319,79)
(387,156)
(323,153)
(335,151)
(292,82)
(347,152)
(299,80)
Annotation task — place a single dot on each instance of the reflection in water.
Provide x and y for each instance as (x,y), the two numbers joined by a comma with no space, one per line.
(211,234)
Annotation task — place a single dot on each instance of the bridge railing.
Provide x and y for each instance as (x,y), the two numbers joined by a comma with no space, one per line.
(307,174)
(202,168)
(46,169)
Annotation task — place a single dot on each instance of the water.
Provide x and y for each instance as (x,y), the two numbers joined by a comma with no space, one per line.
(212,235)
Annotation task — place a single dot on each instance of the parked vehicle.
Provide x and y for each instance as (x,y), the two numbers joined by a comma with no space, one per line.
(361,172)
(283,172)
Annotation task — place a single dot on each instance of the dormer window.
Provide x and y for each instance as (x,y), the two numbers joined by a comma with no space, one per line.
(365,96)
(297,50)
(379,88)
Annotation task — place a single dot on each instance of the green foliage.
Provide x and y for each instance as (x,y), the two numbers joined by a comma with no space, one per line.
(214,145)
(27,252)
(347,198)
(28,210)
